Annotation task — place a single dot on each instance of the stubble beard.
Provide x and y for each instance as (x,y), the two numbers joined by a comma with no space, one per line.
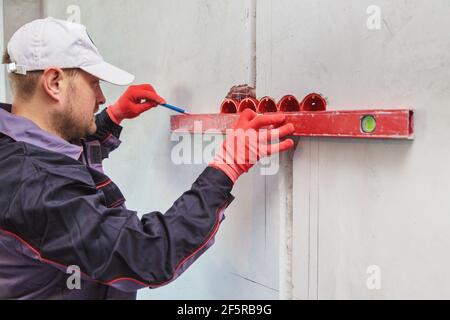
(66,123)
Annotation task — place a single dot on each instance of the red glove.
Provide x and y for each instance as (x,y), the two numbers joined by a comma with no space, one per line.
(248,143)
(129,105)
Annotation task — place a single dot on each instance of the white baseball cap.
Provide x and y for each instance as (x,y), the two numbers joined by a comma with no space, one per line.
(50,42)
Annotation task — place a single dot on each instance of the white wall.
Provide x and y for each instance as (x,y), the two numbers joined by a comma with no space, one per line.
(361,203)
(15,14)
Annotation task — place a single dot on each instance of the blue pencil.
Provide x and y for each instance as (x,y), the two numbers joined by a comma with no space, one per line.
(177,109)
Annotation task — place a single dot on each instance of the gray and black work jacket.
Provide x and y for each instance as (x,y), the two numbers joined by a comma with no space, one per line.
(60,212)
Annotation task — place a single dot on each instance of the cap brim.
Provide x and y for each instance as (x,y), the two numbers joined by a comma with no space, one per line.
(109,73)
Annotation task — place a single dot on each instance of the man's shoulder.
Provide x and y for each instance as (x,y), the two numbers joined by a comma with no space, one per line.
(20,161)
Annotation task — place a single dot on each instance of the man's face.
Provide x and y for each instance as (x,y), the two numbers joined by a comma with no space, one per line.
(83,99)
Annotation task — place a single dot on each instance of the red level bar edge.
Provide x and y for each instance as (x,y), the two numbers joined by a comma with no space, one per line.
(390,124)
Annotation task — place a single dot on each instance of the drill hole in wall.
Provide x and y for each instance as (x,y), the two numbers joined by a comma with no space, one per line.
(289,104)
(248,103)
(229,106)
(314,102)
(267,105)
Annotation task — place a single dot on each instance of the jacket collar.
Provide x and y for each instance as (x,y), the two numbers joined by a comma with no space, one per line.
(21,129)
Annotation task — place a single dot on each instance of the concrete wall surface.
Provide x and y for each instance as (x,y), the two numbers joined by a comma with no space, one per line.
(366,210)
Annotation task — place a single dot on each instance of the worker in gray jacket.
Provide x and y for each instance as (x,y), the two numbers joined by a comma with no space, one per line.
(58,208)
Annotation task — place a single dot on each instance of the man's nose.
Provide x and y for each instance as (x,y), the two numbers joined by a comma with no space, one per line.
(100,97)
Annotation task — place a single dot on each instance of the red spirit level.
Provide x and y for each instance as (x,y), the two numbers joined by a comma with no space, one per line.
(368,124)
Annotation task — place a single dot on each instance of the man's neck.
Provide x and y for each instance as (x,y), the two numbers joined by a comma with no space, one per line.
(33,113)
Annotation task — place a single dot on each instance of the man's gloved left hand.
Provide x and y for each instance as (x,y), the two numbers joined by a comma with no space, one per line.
(248,142)
(129,105)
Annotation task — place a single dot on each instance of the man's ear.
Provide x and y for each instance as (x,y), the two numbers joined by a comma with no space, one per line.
(52,82)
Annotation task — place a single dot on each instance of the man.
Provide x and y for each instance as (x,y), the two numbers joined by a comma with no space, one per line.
(57,207)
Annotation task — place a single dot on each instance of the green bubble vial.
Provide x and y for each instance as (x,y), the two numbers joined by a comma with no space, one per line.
(368,124)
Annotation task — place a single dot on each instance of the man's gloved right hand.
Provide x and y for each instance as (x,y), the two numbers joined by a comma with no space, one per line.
(249,142)
(130,106)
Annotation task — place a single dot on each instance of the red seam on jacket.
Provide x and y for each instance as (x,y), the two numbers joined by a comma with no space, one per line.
(116,203)
(34,250)
(110,283)
(41,259)
(104,181)
(103,184)
(216,228)
(107,137)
